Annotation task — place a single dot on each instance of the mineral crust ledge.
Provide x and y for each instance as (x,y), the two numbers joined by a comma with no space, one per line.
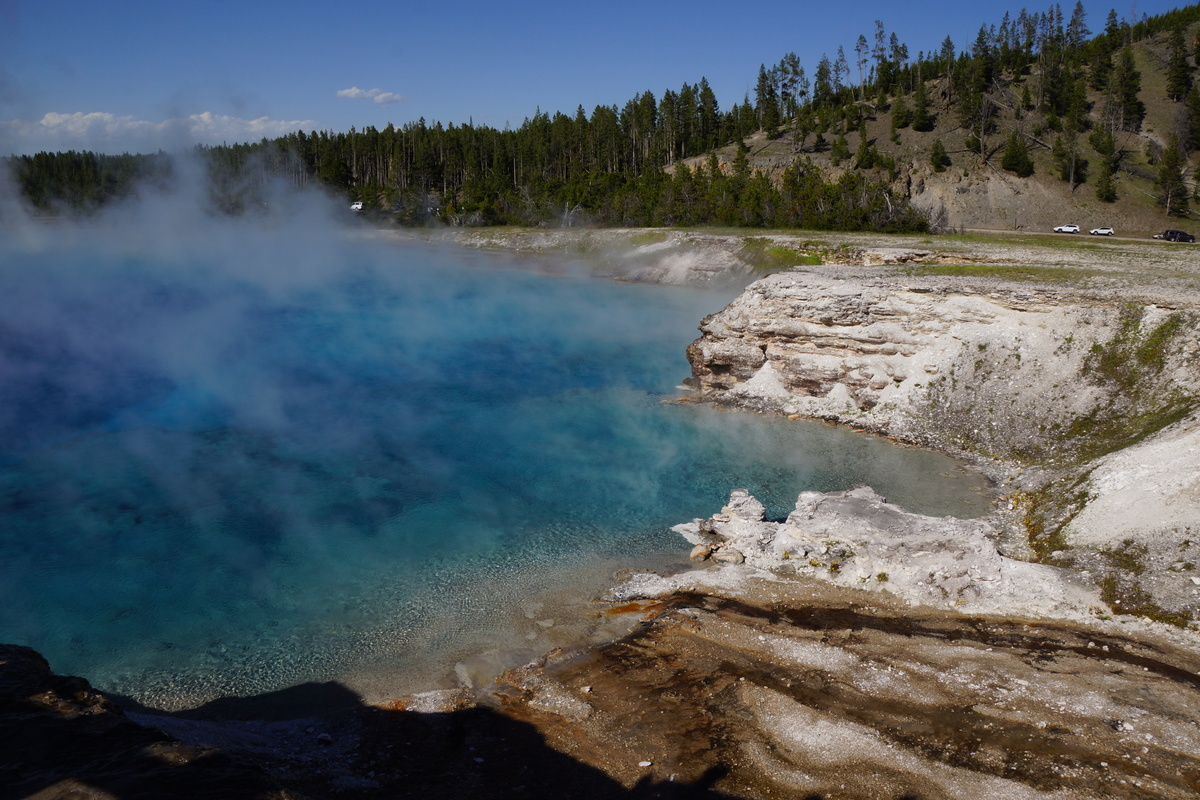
(857,650)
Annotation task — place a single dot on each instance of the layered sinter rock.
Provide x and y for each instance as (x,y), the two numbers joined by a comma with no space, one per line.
(769,672)
(857,540)
(1010,372)
(1095,391)
(745,684)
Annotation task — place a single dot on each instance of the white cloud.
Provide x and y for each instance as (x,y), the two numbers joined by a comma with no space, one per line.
(103,132)
(378,95)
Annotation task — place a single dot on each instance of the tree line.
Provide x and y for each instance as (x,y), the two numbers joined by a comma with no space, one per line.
(636,163)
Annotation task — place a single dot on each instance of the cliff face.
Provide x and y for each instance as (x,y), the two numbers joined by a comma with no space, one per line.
(1011,373)
(1047,378)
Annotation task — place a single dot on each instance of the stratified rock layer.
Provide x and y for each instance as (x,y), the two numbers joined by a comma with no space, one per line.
(857,540)
(760,687)
(1051,377)
(1009,372)
(773,673)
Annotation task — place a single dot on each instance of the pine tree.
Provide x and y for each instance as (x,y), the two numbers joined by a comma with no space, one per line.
(1071,166)
(823,83)
(1102,67)
(939,157)
(710,116)
(947,58)
(976,111)
(1077,30)
(741,162)
(879,54)
(1191,120)
(922,119)
(860,58)
(767,101)
(802,126)
(1179,74)
(839,151)
(1102,141)
(1172,191)
(1106,188)
(1016,156)
(865,158)
(790,74)
(1075,105)
(841,71)
(1128,83)
(1103,47)
(983,62)
(749,122)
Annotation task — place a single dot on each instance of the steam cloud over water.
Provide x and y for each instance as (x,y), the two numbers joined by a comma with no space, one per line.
(239,454)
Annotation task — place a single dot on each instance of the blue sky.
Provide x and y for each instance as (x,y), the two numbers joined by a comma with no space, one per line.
(138,76)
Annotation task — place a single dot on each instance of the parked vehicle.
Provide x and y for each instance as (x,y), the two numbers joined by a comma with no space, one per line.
(357,205)
(1102,231)
(1066,229)
(1175,236)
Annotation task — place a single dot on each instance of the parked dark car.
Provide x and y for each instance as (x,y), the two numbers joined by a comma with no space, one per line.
(1175,236)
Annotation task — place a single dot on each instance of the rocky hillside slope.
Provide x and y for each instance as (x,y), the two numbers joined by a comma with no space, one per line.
(976,193)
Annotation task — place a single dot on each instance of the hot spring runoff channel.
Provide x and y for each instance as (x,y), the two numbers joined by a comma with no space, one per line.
(230,464)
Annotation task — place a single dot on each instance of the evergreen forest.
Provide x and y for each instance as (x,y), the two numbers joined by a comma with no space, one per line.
(1038,88)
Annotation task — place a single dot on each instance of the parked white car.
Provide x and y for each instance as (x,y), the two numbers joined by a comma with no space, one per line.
(1067,229)
(1104,231)
(357,205)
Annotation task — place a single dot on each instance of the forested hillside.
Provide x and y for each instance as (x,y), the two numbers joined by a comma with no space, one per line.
(1114,115)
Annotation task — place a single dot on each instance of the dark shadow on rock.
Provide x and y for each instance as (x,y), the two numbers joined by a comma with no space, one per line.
(472,753)
(59,737)
(294,702)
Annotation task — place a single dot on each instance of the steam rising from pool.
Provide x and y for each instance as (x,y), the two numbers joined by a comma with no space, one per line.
(240,455)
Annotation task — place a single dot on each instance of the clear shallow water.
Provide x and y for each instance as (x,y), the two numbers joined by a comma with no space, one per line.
(234,463)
